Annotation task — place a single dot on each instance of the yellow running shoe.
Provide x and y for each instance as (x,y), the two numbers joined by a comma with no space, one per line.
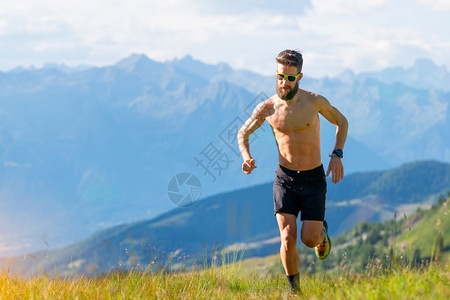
(323,249)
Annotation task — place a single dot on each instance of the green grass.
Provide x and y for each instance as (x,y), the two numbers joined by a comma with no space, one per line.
(434,224)
(227,282)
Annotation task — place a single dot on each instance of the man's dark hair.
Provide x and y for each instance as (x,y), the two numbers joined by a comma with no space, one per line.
(291,58)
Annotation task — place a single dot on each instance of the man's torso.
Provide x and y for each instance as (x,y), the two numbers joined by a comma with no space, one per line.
(296,127)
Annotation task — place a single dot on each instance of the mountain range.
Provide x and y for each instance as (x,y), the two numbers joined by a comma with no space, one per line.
(84,149)
(238,220)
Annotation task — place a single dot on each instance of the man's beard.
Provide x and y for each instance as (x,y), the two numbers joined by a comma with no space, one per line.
(286,93)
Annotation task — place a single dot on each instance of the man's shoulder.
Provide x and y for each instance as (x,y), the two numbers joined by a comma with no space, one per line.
(270,102)
(264,108)
(310,95)
(314,98)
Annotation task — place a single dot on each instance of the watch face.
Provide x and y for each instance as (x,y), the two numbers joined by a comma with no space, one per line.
(338,152)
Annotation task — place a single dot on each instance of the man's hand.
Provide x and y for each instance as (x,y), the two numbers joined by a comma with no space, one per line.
(336,168)
(248,166)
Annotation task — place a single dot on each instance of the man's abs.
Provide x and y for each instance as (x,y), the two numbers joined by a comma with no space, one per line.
(298,151)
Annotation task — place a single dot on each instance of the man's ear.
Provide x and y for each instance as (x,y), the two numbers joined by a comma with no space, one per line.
(300,77)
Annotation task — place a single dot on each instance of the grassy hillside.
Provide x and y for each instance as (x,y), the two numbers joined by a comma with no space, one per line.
(426,234)
(404,258)
(410,242)
(226,283)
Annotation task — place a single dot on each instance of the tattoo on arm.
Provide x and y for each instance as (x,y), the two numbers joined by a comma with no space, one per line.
(254,122)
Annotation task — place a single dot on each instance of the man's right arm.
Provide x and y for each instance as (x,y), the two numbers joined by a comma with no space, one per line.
(254,122)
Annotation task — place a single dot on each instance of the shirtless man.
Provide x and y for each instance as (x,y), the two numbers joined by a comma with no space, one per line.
(300,184)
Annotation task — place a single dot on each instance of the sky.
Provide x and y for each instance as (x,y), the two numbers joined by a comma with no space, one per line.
(333,35)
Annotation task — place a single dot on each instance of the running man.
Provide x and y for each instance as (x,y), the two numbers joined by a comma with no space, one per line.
(300,184)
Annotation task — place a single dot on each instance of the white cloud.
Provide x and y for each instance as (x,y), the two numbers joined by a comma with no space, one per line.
(238,7)
(438,5)
(344,7)
(333,34)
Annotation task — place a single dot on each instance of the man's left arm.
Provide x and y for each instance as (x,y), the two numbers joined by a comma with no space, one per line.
(335,117)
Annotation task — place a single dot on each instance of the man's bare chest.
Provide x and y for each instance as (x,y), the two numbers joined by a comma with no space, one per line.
(299,118)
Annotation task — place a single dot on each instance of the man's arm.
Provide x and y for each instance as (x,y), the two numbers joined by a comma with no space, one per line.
(254,122)
(335,117)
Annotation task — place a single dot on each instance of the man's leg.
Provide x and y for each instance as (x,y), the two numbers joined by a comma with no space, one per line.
(315,235)
(312,233)
(287,224)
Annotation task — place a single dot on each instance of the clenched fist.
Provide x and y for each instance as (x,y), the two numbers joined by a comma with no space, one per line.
(248,166)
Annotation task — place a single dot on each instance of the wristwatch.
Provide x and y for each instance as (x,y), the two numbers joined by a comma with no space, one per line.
(337,153)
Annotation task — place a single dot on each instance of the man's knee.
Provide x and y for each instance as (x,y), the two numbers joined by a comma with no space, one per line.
(311,240)
(288,240)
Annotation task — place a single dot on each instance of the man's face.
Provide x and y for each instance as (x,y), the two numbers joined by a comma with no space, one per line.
(286,89)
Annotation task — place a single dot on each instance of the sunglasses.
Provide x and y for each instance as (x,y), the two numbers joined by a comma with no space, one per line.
(290,78)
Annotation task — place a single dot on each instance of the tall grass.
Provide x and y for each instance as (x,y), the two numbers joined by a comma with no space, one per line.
(226,282)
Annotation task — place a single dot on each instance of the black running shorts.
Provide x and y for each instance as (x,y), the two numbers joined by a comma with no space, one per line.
(300,191)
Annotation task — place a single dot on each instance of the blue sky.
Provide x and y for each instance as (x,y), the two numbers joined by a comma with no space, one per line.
(332,34)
